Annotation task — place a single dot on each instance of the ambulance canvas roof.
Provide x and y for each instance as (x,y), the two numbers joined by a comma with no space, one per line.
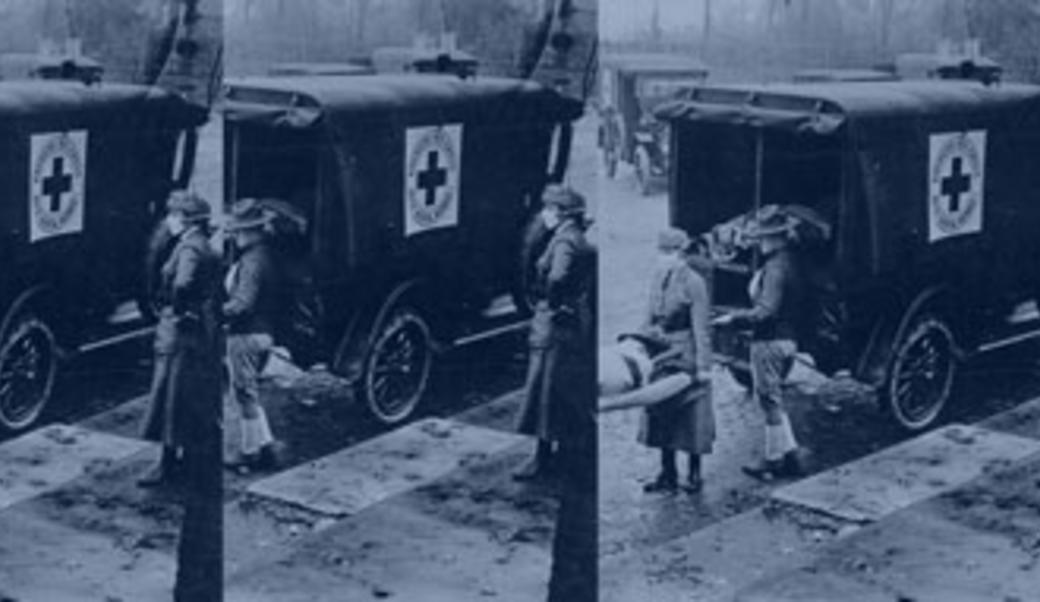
(823,108)
(21,99)
(303,101)
(655,63)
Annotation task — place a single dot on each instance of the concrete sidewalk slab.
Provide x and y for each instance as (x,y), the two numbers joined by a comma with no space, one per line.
(398,551)
(41,461)
(1023,420)
(355,478)
(716,562)
(877,485)
(41,560)
(913,555)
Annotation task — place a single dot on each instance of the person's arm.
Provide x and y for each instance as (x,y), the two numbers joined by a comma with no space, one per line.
(184,279)
(243,296)
(561,269)
(767,303)
(700,319)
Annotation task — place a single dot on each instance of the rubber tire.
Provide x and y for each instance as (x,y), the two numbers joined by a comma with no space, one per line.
(921,325)
(394,320)
(25,320)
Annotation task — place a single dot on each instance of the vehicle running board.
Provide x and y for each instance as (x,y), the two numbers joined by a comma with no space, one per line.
(490,334)
(1008,341)
(116,339)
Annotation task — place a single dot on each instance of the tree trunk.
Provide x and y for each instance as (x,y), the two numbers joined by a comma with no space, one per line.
(887,11)
(361,23)
(706,31)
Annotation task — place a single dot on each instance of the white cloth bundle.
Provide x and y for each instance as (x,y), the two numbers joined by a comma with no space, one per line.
(624,378)
(281,370)
(623,367)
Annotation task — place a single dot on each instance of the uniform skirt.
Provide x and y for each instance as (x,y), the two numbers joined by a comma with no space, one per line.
(685,422)
(556,366)
(186,383)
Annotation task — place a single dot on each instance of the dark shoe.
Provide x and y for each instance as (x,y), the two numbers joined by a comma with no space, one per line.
(242,464)
(664,483)
(269,458)
(167,471)
(156,477)
(693,485)
(791,465)
(534,470)
(767,471)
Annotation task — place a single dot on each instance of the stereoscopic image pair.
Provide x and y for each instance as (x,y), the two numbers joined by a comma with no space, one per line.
(519,300)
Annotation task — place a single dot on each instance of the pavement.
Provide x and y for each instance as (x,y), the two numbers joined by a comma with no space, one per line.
(744,540)
(947,516)
(424,512)
(427,511)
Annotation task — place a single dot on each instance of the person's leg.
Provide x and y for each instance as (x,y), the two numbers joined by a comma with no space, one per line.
(536,421)
(694,481)
(668,478)
(246,355)
(769,362)
(161,472)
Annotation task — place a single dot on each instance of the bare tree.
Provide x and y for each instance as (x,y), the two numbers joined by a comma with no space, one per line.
(706,29)
(887,9)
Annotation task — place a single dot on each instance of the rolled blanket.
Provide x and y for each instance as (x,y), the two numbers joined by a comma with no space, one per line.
(623,367)
(656,392)
(625,372)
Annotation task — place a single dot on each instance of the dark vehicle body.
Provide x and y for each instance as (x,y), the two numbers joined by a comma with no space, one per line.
(22,66)
(916,66)
(406,59)
(816,76)
(932,189)
(343,151)
(319,69)
(86,171)
(632,85)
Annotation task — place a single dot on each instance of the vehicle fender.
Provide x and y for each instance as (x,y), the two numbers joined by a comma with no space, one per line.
(888,329)
(35,295)
(360,333)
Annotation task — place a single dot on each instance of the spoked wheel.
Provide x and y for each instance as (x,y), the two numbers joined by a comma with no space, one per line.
(28,367)
(397,371)
(922,374)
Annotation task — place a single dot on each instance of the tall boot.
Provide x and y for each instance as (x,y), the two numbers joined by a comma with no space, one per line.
(668,479)
(694,481)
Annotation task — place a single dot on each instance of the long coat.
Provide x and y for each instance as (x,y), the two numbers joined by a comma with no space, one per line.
(186,386)
(679,313)
(559,339)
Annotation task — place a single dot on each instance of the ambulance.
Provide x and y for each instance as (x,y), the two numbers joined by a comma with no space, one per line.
(930,191)
(85,171)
